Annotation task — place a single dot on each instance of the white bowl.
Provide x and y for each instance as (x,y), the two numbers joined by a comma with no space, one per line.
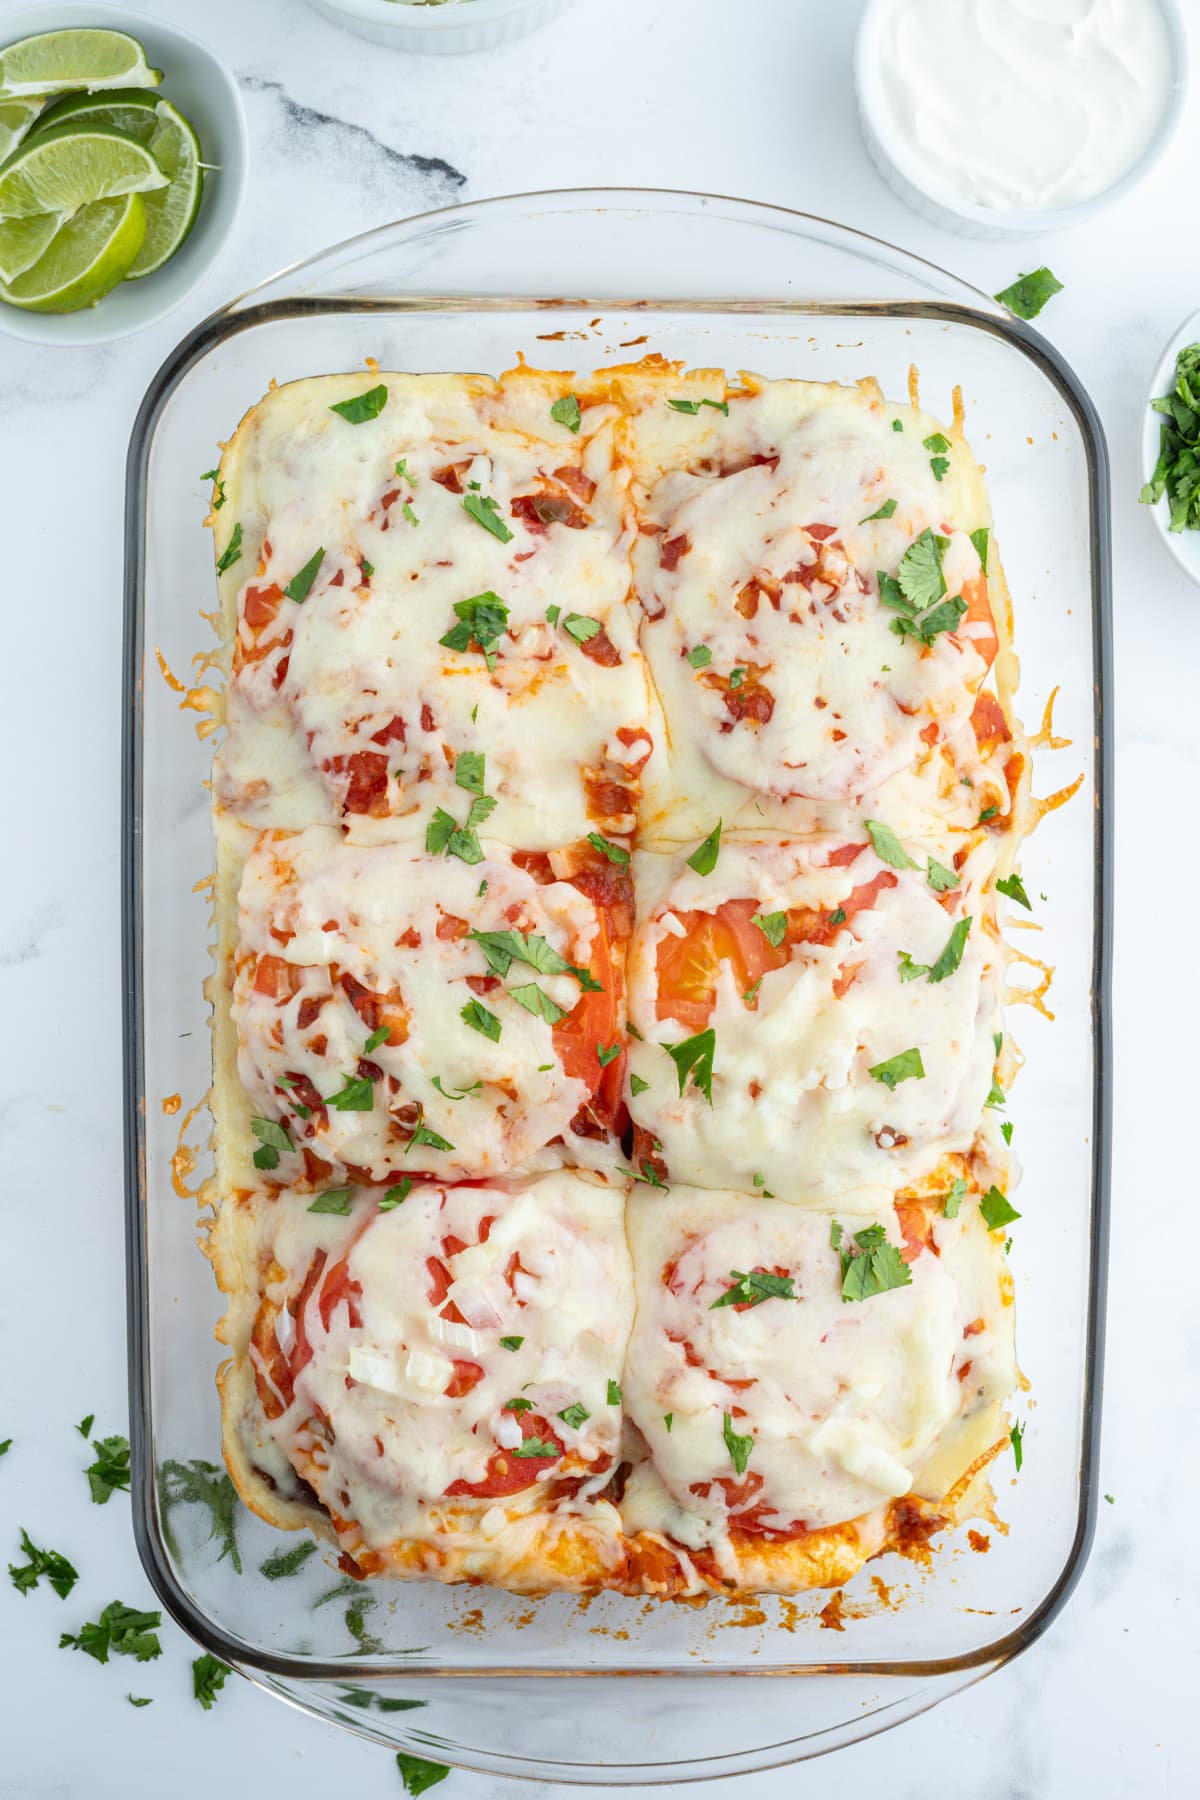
(204,90)
(1183,545)
(441,30)
(905,174)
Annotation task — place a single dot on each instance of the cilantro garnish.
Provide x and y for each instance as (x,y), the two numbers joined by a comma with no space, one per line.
(417,1774)
(511,1343)
(480,1019)
(110,1469)
(614,1392)
(208,1678)
(300,586)
(469,770)
(637,1085)
(739,1448)
(333,1200)
(1177,471)
(694,1057)
(61,1574)
(396,1196)
(482,620)
(954,1198)
(700,656)
(614,852)
(873,1267)
(121,1629)
(361,407)
(906,1066)
(1027,295)
(503,948)
(449,1093)
(486,512)
(988,813)
(1013,888)
(668,1421)
(535,1000)
(536,1447)
(423,1135)
(232,552)
(517,1406)
(916,592)
(772,925)
(881,512)
(286,1562)
(574,1416)
(214,475)
(581,627)
(980,540)
(941,879)
(887,845)
(358,1095)
(565,411)
(606,1053)
(995,1211)
(952,955)
(704,859)
(200,1483)
(692,407)
(273,1140)
(1016,1438)
(736,678)
(752,1288)
(377,1039)
(910,970)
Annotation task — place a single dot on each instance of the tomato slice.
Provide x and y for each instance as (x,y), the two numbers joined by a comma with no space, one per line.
(591,1026)
(979,612)
(509,1474)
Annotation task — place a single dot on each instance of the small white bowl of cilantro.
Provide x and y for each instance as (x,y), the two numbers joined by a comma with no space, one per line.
(441,27)
(1171,447)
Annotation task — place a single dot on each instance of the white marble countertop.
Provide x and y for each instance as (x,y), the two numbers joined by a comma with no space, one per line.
(689,94)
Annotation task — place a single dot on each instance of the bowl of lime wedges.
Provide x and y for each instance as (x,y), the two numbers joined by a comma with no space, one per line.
(122,169)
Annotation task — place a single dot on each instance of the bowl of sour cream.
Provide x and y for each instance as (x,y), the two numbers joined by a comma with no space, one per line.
(1002,117)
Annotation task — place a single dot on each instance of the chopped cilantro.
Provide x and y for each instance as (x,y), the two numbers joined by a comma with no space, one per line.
(537,1447)
(232,552)
(581,627)
(486,512)
(989,812)
(753,1288)
(396,1196)
(873,1267)
(694,1056)
(637,1085)
(606,1053)
(614,1392)
(361,407)
(1016,1438)
(121,1629)
(614,852)
(739,1448)
(887,845)
(469,770)
(199,1483)
(952,955)
(482,620)
(214,475)
(881,512)
(61,1575)
(333,1200)
(995,1211)
(668,1421)
(910,970)
(450,1094)
(110,1469)
(772,925)
(574,1416)
(704,858)
(736,678)
(300,586)
(208,1678)
(1177,471)
(906,1066)
(941,879)
(535,1000)
(423,1135)
(565,411)
(699,656)
(376,1039)
(1013,888)
(980,540)
(1027,295)
(954,1198)
(480,1019)
(358,1095)
(84,1427)
(511,1343)
(417,1774)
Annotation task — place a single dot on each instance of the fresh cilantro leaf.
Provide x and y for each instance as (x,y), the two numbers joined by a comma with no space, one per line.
(301,584)
(694,1057)
(376,1039)
(989,812)
(208,1678)
(910,970)
(939,465)
(704,859)
(692,407)
(614,852)
(907,1066)
(838,916)
(668,1421)
(536,1447)
(739,1448)
(1006,1130)
(482,889)
(5,1446)
(361,407)
(214,475)
(772,925)
(995,1211)
(423,1135)
(700,656)
(736,678)
(836,1233)
(139,1700)
(469,770)
(876,1269)
(952,955)
(581,628)
(202,1484)
(887,845)
(110,1469)
(751,1289)
(511,1343)
(486,512)
(1177,471)
(232,552)
(482,620)
(1013,888)
(606,1053)
(367,568)
(1016,1438)
(84,1427)
(980,540)
(449,1093)
(941,879)
(121,1629)
(897,425)
(881,512)
(997,1041)
(752,991)
(536,1001)
(503,948)
(565,411)
(637,1085)
(480,1019)
(553,614)
(920,572)
(954,1198)
(614,1392)
(61,1575)
(1027,295)
(633,1031)
(997,1097)
(517,1406)
(286,1562)
(396,1196)
(937,442)
(333,1200)
(273,1139)
(574,1416)
(358,1095)
(417,1774)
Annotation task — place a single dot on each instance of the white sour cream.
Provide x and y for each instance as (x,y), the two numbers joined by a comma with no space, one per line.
(1024,104)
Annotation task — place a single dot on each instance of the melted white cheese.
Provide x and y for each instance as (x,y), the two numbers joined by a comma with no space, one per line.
(844,1400)
(334,913)
(794,1108)
(371,1426)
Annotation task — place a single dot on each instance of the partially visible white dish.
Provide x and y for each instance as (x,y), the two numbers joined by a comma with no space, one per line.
(199,84)
(441,29)
(1183,545)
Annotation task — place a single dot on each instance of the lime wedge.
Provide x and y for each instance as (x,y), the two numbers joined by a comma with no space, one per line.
(60,62)
(87,257)
(16,116)
(171,212)
(22,241)
(60,170)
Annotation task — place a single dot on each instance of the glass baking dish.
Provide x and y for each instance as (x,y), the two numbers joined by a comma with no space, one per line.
(457,1675)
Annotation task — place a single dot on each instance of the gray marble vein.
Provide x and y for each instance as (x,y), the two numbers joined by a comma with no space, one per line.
(441,178)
